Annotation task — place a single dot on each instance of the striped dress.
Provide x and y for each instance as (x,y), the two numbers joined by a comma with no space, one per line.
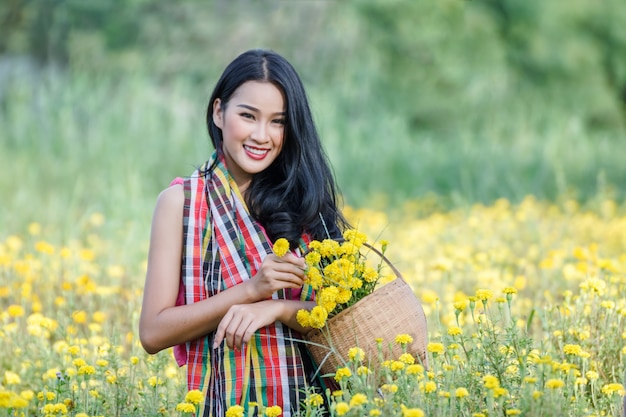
(223,247)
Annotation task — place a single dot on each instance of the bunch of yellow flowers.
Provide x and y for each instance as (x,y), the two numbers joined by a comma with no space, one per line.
(339,274)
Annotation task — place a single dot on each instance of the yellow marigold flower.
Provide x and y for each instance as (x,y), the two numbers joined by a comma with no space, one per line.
(315,400)
(610,389)
(397,366)
(273,411)
(461,392)
(510,290)
(15,310)
(194,396)
(593,286)
(342,373)
(513,412)
(370,274)
(27,394)
(79,317)
(592,375)
(358,400)
(407,358)
(555,383)
(363,370)
(304,318)
(86,370)
(78,362)
(572,349)
(454,331)
(484,294)
(478,415)
(403,339)
(82,415)
(356,353)
(186,408)
(414,369)
(342,408)
(94,393)
(412,412)
(581,381)
(430,386)
(235,411)
(318,317)
(281,247)
(11,378)
(44,247)
(499,392)
(102,363)
(530,379)
(134,360)
(491,382)
(459,306)
(153,381)
(111,379)
(433,347)
(375,412)
(99,317)
(389,388)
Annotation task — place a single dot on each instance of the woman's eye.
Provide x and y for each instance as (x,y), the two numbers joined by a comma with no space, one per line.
(247,115)
(280,121)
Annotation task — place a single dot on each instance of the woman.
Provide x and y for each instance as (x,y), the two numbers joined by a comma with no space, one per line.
(214,290)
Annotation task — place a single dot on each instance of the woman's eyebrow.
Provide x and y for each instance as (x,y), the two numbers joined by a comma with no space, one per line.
(254,109)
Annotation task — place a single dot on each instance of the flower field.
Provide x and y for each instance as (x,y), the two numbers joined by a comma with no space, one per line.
(526,306)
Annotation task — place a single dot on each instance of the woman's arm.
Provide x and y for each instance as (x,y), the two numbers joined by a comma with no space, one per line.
(163,324)
(242,320)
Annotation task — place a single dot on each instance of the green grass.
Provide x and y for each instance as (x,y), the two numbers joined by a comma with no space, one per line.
(71,145)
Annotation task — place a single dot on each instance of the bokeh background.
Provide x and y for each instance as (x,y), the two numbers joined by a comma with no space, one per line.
(446,102)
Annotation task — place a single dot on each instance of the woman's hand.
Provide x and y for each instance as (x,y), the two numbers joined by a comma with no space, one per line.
(276,274)
(242,320)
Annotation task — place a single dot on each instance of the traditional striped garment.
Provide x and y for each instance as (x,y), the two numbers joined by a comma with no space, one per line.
(222,247)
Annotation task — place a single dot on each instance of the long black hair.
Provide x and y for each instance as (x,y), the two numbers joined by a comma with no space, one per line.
(297,193)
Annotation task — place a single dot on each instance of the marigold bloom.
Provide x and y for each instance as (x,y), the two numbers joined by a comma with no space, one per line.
(342,373)
(273,411)
(430,386)
(484,294)
(358,399)
(459,306)
(407,358)
(491,381)
(434,347)
(315,400)
(235,411)
(615,388)
(454,331)
(186,408)
(342,408)
(356,353)
(194,396)
(281,247)
(11,378)
(461,392)
(403,339)
(15,310)
(412,412)
(555,383)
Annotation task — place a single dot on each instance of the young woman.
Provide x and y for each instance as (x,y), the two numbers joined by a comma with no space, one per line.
(214,290)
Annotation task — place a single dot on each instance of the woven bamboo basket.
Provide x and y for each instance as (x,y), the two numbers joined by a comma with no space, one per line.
(390,310)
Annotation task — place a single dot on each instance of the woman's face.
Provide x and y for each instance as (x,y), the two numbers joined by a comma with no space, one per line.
(252,124)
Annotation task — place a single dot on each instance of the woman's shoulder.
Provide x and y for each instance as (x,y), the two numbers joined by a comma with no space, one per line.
(173,196)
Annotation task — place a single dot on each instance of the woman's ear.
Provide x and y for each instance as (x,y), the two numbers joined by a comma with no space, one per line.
(218,113)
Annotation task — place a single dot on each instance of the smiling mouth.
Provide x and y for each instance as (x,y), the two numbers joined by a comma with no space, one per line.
(256,151)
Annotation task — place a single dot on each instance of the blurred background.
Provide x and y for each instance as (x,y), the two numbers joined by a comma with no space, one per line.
(440,104)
